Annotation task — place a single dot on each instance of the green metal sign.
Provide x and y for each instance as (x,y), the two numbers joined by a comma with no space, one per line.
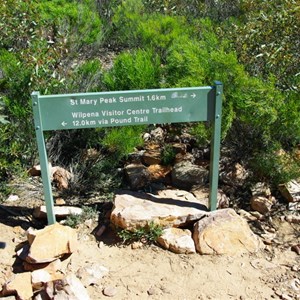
(123,108)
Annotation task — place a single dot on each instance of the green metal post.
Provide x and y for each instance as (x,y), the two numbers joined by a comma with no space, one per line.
(215,147)
(43,159)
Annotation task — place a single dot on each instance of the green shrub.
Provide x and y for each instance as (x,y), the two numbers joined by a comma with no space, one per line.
(246,99)
(137,29)
(168,155)
(126,19)
(275,165)
(18,21)
(86,77)
(74,220)
(78,22)
(138,69)
(122,141)
(267,40)
(147,235)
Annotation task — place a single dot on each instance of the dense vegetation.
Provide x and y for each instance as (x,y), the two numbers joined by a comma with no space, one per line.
(60,46)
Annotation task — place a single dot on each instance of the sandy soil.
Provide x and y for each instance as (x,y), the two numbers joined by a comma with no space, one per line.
(150,272)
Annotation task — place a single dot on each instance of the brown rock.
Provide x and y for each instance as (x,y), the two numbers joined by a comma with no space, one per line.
(61,177)
(261,204)
(60,201)
(177,240)
(224,232)
(36,170)
(69,288)
(290,191)
(296,248)
(50,243)
(152,157)
(137,175)
(158,172)
(19,284)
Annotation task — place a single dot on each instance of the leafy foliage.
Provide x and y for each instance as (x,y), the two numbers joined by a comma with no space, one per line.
(268,41)
(148,234)
(139,69)
(121,141)
(53,46)
(74,220)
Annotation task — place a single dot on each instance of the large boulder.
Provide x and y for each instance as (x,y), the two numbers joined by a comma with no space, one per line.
(171,208)
(224,232)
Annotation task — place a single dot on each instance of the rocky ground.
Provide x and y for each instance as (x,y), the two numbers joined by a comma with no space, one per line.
(150,272)
(143,271)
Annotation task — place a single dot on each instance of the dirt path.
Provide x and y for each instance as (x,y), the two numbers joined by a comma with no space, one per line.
(153,273)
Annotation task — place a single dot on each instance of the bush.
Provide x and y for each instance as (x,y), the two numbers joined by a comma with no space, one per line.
(122,141)
(138,69)
(147,235)
(267,42)
(78,22)
(86,77)
(137,29)
(275,165)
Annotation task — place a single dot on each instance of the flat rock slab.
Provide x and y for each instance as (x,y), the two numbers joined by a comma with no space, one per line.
(172,208)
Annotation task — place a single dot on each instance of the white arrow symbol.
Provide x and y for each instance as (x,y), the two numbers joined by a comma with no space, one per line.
(193,95)
(64,123)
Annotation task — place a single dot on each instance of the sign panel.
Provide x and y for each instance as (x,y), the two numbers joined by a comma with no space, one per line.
(109,109)
(123,108)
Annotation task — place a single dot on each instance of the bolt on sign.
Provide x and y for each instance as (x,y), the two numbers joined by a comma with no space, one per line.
(123,108)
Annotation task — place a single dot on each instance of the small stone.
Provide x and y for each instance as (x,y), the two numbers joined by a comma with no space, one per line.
(151,291)
(101,245)
(109,291)
(91,274)
(296,248)
(267,241)
(293,219)
(12,198)
(295,268)
(137,245)
(177,240)
(261,204)
(286,297)
(100,231)
(257,215)
(60,201)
